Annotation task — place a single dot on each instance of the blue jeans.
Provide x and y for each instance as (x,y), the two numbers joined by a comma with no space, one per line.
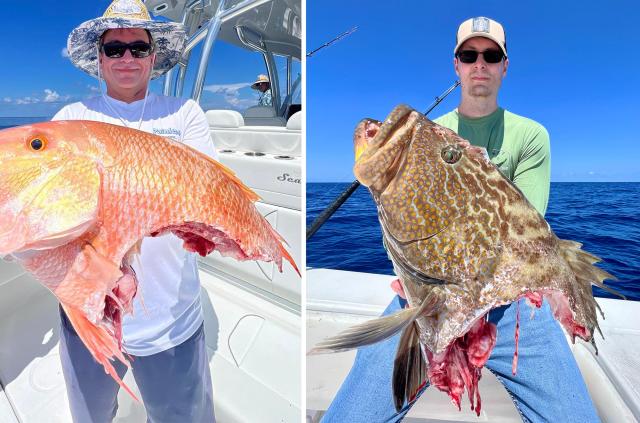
(548,386)
(175,384)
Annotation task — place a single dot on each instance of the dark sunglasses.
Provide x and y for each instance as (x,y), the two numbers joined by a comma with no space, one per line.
(138,49)
(490,56)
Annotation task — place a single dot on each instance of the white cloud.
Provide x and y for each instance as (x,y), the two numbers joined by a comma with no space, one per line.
(227,88)
(26,100)
(64,52)
(231,93)
(50,96)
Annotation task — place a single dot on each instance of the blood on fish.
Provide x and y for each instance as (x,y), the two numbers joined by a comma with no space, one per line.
(459,366)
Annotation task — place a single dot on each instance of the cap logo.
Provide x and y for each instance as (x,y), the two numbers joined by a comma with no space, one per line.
(480,25)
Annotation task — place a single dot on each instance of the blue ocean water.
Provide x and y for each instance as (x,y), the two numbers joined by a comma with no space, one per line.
(8,122)
(604,217)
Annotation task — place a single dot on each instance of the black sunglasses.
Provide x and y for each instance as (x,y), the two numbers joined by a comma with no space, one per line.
(138,49)
(490,56)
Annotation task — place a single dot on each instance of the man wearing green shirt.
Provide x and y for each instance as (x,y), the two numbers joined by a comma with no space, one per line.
(548,386)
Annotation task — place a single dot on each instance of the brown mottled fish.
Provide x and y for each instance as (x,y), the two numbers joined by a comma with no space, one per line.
(463,240)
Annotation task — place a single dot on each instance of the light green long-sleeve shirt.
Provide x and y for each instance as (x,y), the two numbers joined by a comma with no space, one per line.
(518,146)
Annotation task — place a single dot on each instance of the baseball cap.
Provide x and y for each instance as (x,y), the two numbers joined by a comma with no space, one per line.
(481,27)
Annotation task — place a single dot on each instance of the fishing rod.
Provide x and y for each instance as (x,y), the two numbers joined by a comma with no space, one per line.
(327,44)
(335,205)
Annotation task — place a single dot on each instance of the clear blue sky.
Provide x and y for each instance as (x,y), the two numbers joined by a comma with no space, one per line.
(574,67)
(38,79)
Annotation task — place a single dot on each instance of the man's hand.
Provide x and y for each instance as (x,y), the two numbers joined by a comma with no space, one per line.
(398,289)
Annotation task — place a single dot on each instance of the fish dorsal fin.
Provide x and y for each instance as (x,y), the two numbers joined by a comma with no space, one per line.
(232,176)
(582,265)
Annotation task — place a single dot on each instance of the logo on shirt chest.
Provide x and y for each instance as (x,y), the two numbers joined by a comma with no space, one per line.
(173,133)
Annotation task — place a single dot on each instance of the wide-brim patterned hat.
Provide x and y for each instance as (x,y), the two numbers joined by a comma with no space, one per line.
(169,37)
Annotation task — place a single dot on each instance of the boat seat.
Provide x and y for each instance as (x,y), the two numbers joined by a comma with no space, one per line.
(262,116)
(229,131)
(292,109)
(295,122)
(224,118)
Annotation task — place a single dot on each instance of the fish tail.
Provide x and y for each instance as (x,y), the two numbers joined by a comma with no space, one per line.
(288,257)
(102,346)
(283,250)
(409,368)
(582,264)
(376,330)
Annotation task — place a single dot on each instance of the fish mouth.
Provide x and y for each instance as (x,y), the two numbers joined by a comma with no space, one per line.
(379,146)
(375,134)
(364,134)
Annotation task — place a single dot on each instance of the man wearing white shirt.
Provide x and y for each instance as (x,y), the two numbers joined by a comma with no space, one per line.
(165,334)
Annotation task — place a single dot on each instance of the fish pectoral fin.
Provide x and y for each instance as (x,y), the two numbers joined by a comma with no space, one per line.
(376,330)
(409,369)
(87,282)
(102,345)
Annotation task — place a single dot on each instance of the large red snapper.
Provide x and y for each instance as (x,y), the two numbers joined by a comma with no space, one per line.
(77,197)
(463,240)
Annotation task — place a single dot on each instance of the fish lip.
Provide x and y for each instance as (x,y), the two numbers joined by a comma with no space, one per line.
(396,119)
(374,139)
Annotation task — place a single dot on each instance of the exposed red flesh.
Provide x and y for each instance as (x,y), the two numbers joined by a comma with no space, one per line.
(458,367)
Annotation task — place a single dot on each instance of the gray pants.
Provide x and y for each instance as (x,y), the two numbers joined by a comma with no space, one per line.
(175,384)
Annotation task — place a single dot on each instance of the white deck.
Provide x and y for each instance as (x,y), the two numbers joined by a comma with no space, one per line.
(338,299)
(255,367)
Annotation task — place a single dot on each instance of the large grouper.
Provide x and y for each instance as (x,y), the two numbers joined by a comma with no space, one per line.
(463,240)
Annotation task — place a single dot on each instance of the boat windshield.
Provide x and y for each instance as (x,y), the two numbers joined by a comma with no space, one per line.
(247,42)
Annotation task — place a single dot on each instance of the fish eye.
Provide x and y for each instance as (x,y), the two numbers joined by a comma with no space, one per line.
(451,154)
(37,144)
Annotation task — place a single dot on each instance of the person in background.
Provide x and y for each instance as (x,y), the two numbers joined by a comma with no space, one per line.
(263,85)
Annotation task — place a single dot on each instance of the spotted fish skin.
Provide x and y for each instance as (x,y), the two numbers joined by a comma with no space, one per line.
(463,240)
(466,225)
